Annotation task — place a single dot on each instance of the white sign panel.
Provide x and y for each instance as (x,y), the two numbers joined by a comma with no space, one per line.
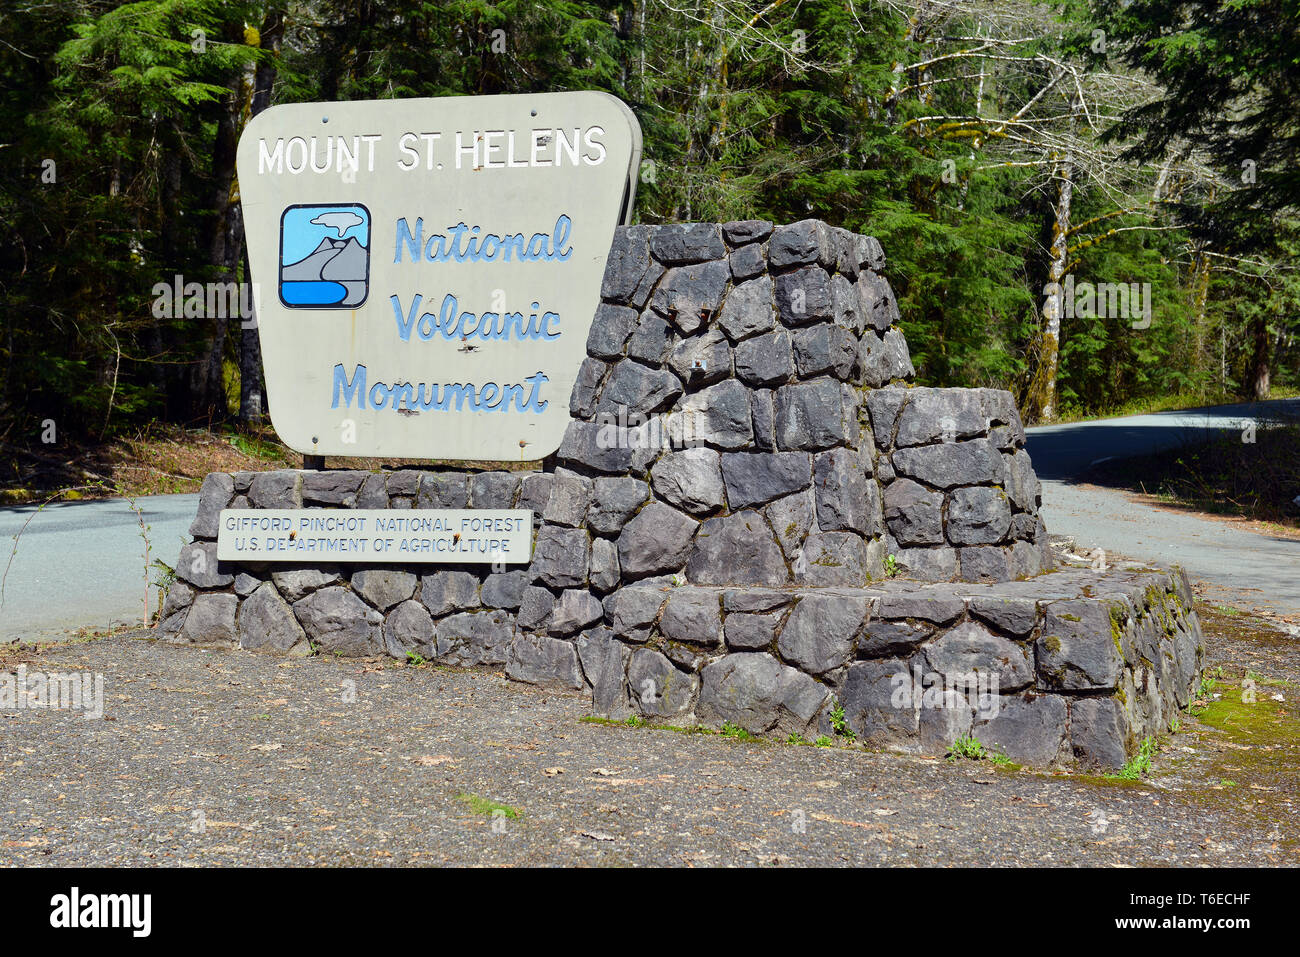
(451,535)
(427,270)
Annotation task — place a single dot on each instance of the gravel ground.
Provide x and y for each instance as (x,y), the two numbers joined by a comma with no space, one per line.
(208,757)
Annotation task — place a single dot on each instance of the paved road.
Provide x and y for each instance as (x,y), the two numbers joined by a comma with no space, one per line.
(1254,569)
(1065,451)
(81,564)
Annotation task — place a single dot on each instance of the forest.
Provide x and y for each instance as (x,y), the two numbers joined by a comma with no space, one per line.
(1022,164)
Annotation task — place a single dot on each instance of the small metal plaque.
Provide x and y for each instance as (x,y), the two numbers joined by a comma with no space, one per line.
(477,536)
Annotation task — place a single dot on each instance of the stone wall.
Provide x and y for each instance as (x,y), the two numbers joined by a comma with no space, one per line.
(717,538)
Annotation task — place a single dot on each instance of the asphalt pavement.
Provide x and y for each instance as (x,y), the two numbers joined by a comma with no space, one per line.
(1237,565)
(82,564)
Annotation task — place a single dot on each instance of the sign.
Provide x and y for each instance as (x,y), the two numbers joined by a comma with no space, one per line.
(436,264)
(452,535)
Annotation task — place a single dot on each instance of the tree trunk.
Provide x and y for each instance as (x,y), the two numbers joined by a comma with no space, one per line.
(1260,363)
(1041,402)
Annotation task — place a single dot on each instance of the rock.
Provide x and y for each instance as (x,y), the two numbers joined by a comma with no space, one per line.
(493,489)
(332,487)
(974,462)
(971,649)
(803,297)
(267,623)
(535,492)
(791,518)
(614,501)
(634,388)
(658,689)
(933,415)
(746,231)
(764,418)
(719,416)
(474,638)
(179,597)
(758,693)
(832,558)
(750,632)
(891,638)
(876,301)
(604,661)
(978,516)
(296,583)
(1015,616)
(687,295)
(198,565)
(878,702)
(409,627)
(632,611)
(692,616)
(280,489)
(756,478)
(821,632)
(535,607)
(215,494)
(569,498)
(546,662)
(884,406)
(813,415)
(846,499)
(807,241)
(626,265)
(825,349)
(934,603)
(605,571)
(687,243)
(884,359)
(702,360)
(338,622)
(927,564)
(913,513)
(383,587)
(576,610)
(736,549)
(748,261)
(984,563)
(690,480)
(944,721)
(610,331)
(1077,648)
(211,618)
(404,482)
(848,315)
(560,557)
(657,541)
(1029,729)
(1022,484)
(1099,732)
(504,589)
(443,490)
(373,492)
(765,359)
(446,592)
(650,341)
(748,309)
(595,446)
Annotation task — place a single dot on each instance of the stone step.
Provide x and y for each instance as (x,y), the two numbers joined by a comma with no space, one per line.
(1074,666)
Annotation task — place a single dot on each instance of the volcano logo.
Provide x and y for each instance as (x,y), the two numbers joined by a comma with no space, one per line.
(325,256)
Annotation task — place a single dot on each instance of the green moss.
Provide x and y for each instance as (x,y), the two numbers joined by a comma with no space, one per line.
(1052,642)
(487,807)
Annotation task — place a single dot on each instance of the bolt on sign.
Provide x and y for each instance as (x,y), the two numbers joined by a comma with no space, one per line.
(437,265)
